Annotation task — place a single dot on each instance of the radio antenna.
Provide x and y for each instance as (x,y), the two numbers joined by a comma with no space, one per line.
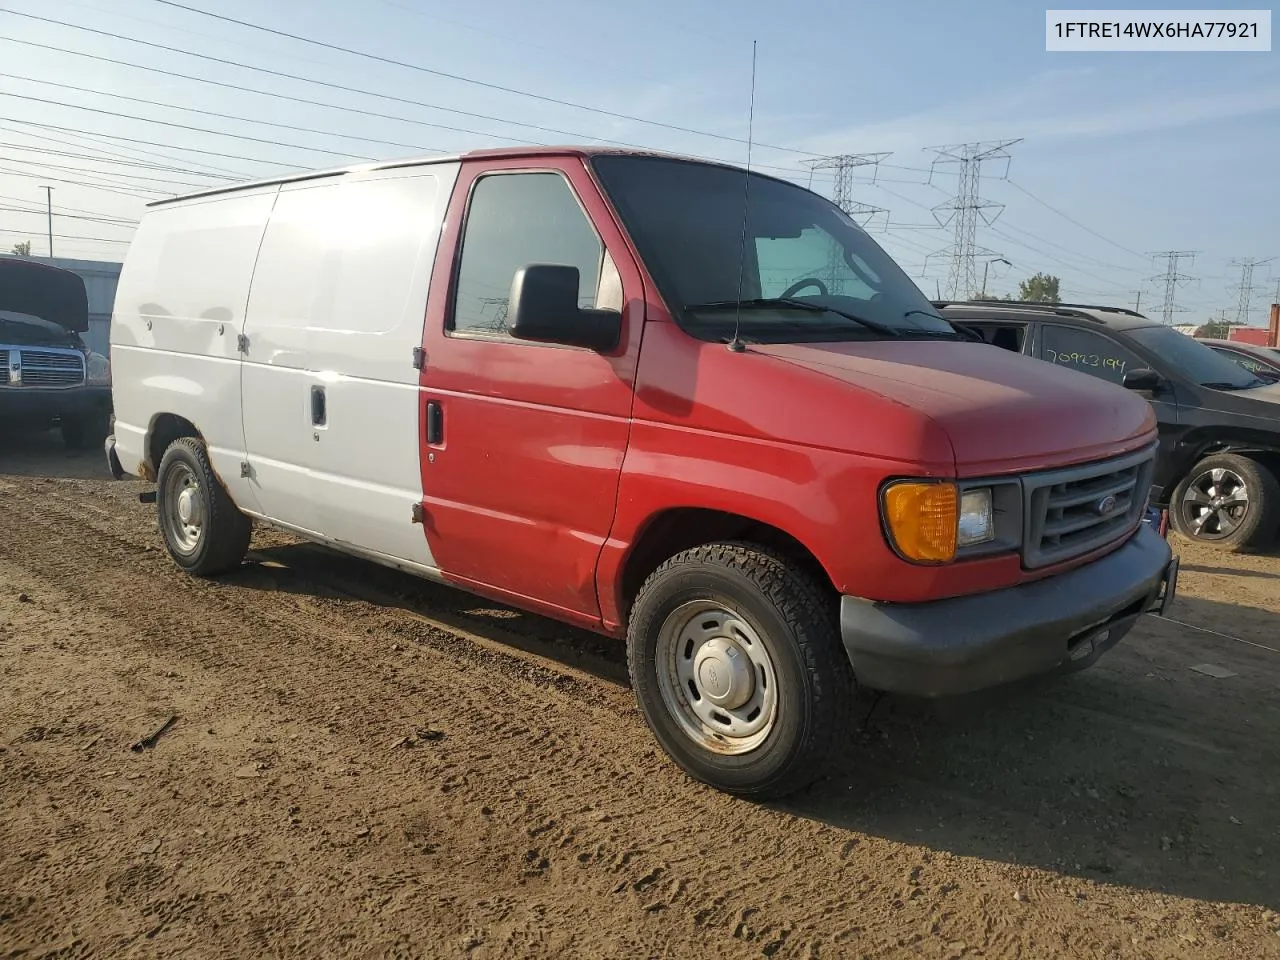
(736,345)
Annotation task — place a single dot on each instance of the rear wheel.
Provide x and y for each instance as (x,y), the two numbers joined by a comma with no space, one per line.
(1227,501)
(736,661)
(204,531)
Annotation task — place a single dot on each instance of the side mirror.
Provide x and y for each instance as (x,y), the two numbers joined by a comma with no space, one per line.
(1143,380)
(544,307)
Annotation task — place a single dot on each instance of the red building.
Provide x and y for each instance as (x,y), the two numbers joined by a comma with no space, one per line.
(1259,336)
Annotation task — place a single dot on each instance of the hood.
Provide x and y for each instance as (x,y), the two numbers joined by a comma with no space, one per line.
(1002,411)
(1261,402)
(49,293)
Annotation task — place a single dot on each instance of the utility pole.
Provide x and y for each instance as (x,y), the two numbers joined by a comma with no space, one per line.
(1137,303)
(1171,279)
(965,209)
(987,266)
(48,195)
(1244,288)
(843,165)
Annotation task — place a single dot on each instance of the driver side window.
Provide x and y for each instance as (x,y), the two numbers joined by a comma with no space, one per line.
(814,255)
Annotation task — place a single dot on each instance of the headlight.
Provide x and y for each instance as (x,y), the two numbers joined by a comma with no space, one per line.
(921,517)
(975,524)
(98,370)
(929,521)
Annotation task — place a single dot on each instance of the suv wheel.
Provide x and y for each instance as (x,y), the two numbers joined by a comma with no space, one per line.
(1227,501)
(736,661)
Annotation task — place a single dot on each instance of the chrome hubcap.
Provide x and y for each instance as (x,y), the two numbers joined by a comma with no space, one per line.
(717,677)
(1215,504)
(182,511)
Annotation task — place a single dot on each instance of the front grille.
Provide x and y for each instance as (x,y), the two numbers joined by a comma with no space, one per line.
(36,367)
(1080,509)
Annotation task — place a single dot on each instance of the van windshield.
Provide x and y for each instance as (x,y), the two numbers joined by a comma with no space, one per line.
(808,272)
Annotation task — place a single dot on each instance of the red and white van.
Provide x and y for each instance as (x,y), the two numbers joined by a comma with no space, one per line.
(662,399)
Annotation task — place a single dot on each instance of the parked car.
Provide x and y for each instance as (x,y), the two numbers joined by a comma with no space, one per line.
(530,374)
(48,376)
(1219,422)
(1264,361)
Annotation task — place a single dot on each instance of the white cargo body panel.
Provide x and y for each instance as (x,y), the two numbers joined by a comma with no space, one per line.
(330,390)
(280,319)
(178,313)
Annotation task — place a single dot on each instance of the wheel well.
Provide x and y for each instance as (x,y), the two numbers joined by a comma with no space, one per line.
(1269,458)
(165,429)
(675,531)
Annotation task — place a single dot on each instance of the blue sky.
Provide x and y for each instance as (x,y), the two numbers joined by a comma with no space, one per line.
(1144,152)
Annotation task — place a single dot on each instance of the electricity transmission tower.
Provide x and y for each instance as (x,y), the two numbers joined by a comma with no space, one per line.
(843,167)
(965,209)
(1244,288)
(1171,279)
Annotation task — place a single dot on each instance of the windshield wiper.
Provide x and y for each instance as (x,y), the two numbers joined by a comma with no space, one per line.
(1224,385)
(755,302)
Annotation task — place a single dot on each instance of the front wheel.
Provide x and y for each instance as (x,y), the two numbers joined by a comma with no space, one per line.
(203,530)
(1227,501)
(736,661)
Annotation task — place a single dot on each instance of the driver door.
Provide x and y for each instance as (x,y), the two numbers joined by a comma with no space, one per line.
(524,441)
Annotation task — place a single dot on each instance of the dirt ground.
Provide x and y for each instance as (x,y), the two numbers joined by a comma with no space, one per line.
(365,765)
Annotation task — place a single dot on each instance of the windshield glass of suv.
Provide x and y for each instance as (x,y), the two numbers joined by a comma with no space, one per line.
(1194,360)
(686,218)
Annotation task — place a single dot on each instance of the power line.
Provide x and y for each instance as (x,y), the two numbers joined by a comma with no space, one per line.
(328,84)
(966,208)
(471,80)
(96,185)
(73,131)
(65,236)
(1172,280)
(116,176)
(181,126)
(1072,220)
(102,157)
(224,116)
(70,216)
(269,93)
(1244,305)
(60,209)
(107,148)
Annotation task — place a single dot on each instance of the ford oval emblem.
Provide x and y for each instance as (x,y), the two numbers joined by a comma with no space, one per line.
(1105,506)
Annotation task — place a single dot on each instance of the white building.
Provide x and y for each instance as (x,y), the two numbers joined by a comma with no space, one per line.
(100,279)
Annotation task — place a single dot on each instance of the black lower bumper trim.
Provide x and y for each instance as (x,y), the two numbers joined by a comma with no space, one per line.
(972,643)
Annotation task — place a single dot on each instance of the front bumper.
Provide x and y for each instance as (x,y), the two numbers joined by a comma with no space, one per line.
(18,404)
(965,644)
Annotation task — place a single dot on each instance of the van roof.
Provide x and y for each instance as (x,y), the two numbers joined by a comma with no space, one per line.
(494,153)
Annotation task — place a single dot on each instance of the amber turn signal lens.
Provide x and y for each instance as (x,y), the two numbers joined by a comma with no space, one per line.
(922,520)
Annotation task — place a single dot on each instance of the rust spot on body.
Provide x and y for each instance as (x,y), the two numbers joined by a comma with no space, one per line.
(146,472)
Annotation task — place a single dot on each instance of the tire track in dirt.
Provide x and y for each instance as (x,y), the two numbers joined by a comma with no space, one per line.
(583,818)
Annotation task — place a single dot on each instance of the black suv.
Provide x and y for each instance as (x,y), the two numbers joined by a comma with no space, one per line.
(48,376)
(1219,453)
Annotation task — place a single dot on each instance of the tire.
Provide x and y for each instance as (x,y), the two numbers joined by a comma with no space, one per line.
(1234,523)
(83,432)
(204,532)
(720,597)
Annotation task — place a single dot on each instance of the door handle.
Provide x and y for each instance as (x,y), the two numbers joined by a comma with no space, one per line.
(435,422)
(318,411)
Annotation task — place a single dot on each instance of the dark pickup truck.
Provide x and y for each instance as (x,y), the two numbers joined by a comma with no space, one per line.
(48,375)
(1218,463)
